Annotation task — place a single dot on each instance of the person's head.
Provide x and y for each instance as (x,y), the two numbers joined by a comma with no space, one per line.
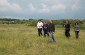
(76,23)
(39,21)
(44,22)
(50,21)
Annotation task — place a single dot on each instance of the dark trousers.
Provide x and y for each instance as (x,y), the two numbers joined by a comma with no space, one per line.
(39,31)
(45,32)
(67,34)
(77,34)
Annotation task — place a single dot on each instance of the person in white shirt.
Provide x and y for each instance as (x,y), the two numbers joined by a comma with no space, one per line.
(39,26)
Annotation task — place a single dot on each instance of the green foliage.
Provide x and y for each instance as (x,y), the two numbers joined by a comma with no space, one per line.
(33,22)
(82,26)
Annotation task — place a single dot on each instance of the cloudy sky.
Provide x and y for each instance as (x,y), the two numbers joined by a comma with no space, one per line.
(43,9)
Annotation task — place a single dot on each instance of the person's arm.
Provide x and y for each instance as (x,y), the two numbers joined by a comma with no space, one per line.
(42,24)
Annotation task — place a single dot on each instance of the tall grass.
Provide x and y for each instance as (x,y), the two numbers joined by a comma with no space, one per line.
(23,40)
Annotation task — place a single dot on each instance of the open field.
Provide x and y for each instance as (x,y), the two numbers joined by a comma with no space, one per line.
(19,39)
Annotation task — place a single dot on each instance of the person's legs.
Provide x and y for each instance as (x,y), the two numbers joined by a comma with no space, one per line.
(41,31)
(44,33)
(67,34)
(77,34)
(38,32)
(51,39)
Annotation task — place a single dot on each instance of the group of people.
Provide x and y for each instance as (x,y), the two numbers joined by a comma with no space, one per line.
(76,29)
(49,29)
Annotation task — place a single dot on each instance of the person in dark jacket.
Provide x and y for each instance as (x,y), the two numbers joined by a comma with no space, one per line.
(51,30)
(45,29)
(67,29)
(77,29)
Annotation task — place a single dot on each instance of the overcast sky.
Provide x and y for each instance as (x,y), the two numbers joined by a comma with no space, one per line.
(43,9)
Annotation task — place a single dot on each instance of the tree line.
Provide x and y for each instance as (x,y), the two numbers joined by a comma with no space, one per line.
(33,22)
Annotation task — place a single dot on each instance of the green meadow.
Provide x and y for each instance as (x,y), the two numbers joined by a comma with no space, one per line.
(19,39)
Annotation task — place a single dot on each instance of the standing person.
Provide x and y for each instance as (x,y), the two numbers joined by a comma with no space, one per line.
(77,29)
(51,29)
(45,29)
(39,26)
(67,29)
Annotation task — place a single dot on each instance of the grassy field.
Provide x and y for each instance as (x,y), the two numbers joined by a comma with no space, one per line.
(23,40)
